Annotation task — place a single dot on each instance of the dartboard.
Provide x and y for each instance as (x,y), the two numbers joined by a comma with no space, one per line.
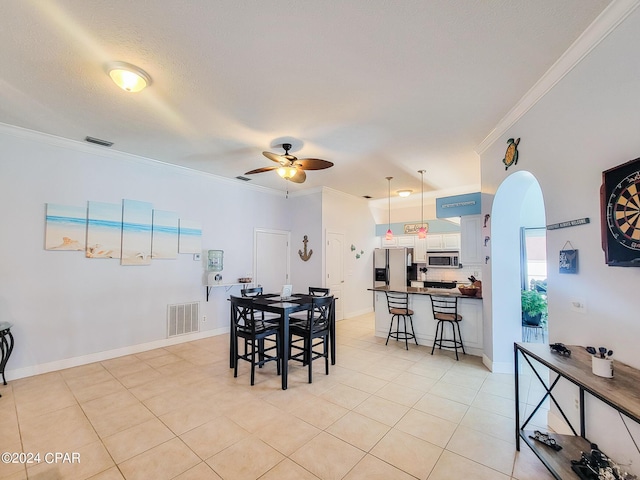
(621,214)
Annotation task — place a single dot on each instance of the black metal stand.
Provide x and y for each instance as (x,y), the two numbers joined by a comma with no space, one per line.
(6,347)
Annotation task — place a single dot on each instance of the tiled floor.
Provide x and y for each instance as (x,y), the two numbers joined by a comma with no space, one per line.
(177,412)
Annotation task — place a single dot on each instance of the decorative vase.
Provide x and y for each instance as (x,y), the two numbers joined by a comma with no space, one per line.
(602,367)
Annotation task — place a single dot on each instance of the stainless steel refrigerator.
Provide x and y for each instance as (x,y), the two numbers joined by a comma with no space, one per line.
(393,267)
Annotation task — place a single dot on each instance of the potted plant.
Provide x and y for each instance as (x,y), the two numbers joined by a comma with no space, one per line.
(534,307)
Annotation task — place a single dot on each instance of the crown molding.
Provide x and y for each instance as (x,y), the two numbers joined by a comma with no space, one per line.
(601,27)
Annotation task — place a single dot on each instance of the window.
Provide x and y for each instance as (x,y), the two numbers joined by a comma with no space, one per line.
(533,258)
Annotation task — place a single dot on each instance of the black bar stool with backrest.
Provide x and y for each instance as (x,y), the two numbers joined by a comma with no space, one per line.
(445,310)
(253,330)
(398,304)
(316,328)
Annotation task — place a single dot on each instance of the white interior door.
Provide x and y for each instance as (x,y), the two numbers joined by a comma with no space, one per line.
(271,259)
(335,269)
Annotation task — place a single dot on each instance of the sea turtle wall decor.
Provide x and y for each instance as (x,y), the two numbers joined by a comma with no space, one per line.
(511,155)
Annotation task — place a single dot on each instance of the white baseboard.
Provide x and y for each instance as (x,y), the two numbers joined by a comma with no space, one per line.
(497,367)
(109,354)
(557,424)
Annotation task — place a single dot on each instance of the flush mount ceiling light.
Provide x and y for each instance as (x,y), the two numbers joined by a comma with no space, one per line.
(128,77)
(404,193)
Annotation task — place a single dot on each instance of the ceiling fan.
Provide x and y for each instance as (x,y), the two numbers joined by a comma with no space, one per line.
(290,167)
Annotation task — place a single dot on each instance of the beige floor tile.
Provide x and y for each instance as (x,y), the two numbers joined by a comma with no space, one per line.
(453,467)
(9,431)
(17,475)
(161,360)
(427,427)
(10,468)
(494,403)
(111,474)
(137,439)
(165,461)
(320,413)
(363,382)
(112,421)
(294,397)
(56,396)
(247,459)
(202,471)
(456,393)
(358,430)
(190,416)
(491,423)
(382,410)
(327,457)
(441,407)
(89,369)
(372,468)
(91,460)
(171,399)
(140,378)
(213,437)
(528,466)
(418,382)
(382,371)
(64,430)
(96,374)
(288,470)
(153,388)
(345,396)
(484,449)
(253,414)
(401,394)
(503,389)
(287,434)
(92,391)
(149,354)
(408,453)
(457,377)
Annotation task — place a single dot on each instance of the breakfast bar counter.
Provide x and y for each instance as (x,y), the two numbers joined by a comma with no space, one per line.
(423,323)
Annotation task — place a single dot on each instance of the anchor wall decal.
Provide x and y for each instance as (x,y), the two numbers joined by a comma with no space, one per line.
(303,254)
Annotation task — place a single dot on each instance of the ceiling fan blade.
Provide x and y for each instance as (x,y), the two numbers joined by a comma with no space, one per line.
(281,159)
(299,177)
(313,163)
(262,169)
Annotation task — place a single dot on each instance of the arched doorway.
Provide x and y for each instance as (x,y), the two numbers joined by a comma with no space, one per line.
(518,203)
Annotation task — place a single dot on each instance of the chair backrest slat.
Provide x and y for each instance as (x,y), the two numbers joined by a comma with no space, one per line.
(318,291)
(444,305)
(251,292)
(243,313)
(397,301)
(319,315)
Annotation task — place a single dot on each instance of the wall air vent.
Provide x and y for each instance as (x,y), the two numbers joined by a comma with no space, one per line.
(98,141)
(182,319)
(244,179)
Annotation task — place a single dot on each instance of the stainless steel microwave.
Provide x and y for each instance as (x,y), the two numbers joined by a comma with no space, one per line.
(448,259)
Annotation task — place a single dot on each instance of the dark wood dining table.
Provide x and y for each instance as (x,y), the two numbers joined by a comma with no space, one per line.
(274,303)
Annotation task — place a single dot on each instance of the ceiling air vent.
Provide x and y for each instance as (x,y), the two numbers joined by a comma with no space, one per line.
(244,179)
(366,196)
(97,141)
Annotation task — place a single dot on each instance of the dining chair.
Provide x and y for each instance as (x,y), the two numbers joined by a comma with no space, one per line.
(315,332)
(255,292)
(445,311)
(253,331)
(398,306)
(314,292)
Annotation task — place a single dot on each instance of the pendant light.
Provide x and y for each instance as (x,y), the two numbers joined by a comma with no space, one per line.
(422,233)
(389,235)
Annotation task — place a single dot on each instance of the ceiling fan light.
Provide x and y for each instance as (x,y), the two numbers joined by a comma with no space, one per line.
(404,193)
(128,77)
(287,172)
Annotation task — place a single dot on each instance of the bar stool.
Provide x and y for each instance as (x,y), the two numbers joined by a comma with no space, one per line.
(445,310)
(398,304)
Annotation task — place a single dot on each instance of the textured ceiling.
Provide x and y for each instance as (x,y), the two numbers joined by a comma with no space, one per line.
(379,87)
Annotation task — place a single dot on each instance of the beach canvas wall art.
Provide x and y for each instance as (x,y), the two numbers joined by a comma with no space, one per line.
(104,230)
(65,227)
(164,235)
(190,239)
(137,218)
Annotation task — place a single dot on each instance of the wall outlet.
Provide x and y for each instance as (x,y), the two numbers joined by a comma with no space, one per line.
(196,257)
(204,318)
(577,403)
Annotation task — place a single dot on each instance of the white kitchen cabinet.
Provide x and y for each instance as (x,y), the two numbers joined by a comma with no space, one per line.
(420,251)
(471,240)
(388,243)
(443,241)
(406,241)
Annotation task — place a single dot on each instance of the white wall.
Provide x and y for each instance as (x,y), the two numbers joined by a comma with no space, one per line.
(586,124)
(64,305)
(351,216)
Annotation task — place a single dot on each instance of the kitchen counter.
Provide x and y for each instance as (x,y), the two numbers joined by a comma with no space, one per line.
(453,292)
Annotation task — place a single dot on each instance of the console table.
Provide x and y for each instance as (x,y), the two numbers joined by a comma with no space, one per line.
(6,346)
(620,393)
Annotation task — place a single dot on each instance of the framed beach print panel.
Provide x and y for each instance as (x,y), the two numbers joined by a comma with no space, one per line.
(104,230)
(137,218)
(190,237)
(165,235)
(65,227)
